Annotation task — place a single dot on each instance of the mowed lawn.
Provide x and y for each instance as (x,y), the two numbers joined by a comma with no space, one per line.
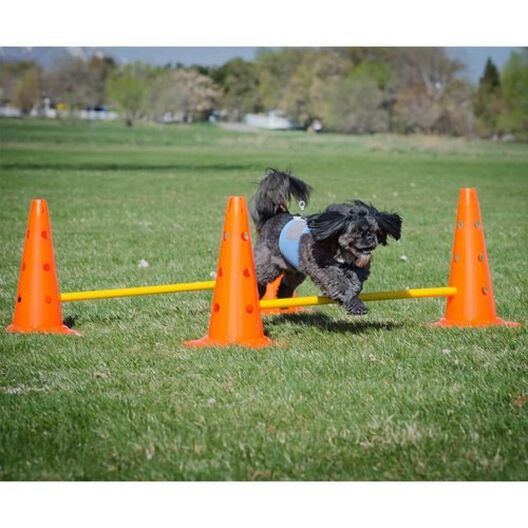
(381,397)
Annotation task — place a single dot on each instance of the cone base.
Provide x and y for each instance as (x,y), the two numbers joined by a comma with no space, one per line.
(62,329)
(207,341)
(497,321)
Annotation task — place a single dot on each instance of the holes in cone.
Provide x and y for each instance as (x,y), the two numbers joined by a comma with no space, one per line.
(23,266)
(226,235)
(46,267)
(220,272)
(485,290)
(47,299)
(246,272)
(216,307)
(249,308)
(245,235)
(481,258)
(27,233)
(477,224)
(460,224)
(457,258)
(19,299)
(44,234)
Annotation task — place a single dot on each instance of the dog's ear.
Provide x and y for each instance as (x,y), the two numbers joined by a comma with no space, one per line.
(326,225)
(389,224)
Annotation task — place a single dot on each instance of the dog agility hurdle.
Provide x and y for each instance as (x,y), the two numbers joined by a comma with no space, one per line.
(236,310)
(416,293)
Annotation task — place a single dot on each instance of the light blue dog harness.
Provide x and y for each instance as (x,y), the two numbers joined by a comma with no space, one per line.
(289,240)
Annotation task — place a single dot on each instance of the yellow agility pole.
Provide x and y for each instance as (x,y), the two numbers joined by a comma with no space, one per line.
(272,303)
(134,292)
(416,293)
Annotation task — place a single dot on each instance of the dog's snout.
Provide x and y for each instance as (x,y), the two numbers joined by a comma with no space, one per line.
(368,243)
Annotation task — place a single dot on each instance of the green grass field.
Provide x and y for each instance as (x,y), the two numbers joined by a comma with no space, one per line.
(382,397)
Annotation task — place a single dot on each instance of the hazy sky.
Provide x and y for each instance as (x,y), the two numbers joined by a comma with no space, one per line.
(475,58)
(207,56)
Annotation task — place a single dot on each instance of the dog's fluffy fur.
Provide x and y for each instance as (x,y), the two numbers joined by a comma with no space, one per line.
(337,252)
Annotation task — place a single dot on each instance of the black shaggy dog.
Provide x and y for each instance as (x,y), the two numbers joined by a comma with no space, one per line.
(333,248)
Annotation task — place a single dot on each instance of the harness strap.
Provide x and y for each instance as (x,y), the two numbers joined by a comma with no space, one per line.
(289,240)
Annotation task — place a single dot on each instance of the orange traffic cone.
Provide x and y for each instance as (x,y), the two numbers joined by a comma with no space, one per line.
(271,293)
(37,307)
(235,313)
(473,304)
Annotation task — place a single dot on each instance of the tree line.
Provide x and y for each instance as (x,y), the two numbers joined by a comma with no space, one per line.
(351,90)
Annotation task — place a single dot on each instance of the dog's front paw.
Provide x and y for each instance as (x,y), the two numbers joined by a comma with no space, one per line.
(356,307)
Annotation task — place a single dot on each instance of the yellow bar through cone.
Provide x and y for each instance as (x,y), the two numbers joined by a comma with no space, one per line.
(417,293)
(137,291)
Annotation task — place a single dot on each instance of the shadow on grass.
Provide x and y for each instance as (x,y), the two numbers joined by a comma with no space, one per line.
(103,167)
(355,326)
(75,320)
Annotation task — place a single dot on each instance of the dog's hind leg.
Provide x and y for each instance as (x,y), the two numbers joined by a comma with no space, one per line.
(268,266)
(265,277)
(289,283)
(266,274)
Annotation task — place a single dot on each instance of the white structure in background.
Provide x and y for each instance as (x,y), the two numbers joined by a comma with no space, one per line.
(273,120)
(45,110)
(9,111)
(48,112)
(316,126)
(176,117)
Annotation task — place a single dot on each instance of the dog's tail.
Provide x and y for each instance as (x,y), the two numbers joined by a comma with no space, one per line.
(274,192)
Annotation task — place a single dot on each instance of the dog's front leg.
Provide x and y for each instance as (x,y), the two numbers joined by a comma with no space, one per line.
(343,285)
(357,277)
(355,306)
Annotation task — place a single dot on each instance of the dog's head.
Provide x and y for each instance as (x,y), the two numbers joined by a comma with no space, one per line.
(357,228)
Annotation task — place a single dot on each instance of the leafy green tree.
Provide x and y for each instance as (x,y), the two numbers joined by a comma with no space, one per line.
(298,98)
(354,105)
(274,70)
(488,102)
(311,80)
(515,91)
(379,72)
(239,82)
(490,80)
(10,75)
(128,88)
(27,90)
(295,80)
